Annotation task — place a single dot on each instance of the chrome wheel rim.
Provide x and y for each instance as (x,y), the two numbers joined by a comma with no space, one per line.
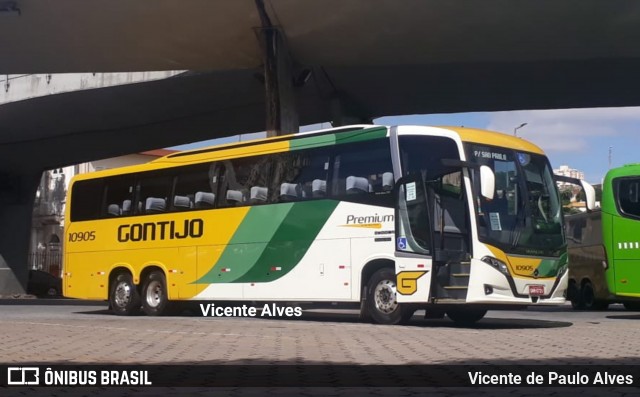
(122,295)
(385,296)
(154,294)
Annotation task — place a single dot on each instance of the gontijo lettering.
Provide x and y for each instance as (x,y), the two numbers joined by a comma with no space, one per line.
(163,230)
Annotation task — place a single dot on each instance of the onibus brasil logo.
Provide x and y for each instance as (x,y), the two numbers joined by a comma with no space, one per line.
(32,376)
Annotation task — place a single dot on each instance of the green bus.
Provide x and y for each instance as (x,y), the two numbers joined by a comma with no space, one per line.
(604,245)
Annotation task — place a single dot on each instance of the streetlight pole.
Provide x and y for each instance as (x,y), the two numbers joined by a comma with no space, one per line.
(515,133)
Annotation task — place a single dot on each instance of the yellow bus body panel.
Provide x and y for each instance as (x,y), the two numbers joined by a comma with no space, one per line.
(89,263)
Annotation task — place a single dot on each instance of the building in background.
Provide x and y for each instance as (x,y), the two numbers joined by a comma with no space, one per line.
(47,224)
(565,170)
(48,210)
(573,200)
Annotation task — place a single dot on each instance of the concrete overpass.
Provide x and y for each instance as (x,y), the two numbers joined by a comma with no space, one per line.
(288,62)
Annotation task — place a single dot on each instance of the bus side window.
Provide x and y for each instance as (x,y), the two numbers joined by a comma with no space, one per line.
(245,181)
(154,190)
(363,172)
(118,189)
(629,196)
(192,189)
(294,174)
(86,199)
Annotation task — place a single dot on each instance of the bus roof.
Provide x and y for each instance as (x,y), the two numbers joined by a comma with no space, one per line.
(486,137)
(352,133)
(283,143)
(359,129)
(466,135)
(625,170)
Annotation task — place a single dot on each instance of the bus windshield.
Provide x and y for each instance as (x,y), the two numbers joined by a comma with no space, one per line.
(525,214)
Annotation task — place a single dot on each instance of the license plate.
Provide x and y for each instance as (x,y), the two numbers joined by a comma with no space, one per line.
(536,290)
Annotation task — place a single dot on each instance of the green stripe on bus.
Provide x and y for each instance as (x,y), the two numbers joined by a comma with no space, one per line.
(247,244)
(362,135)
(291,241)
(339,138)
(550,267)
(313,141)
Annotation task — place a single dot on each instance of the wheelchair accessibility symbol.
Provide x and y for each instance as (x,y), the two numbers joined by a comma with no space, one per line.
(402,243)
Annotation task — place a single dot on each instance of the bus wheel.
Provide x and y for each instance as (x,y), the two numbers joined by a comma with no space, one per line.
(154,294)
(466,316)
(365,316)
(575,297)
(382,303)
(589,298)
(124,298)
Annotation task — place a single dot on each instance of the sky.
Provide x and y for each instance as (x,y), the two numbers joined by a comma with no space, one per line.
(579,138)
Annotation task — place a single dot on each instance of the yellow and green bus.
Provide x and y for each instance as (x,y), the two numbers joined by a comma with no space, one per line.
(393,219)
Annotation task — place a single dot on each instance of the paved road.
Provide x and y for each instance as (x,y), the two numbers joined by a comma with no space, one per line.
(73,332)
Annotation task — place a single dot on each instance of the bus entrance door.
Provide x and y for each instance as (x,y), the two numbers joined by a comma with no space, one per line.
(413,253)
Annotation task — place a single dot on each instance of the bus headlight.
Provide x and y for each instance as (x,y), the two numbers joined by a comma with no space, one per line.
(497,263)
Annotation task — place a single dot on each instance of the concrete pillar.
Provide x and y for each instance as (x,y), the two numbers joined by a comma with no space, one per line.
(17,194)
(281,110)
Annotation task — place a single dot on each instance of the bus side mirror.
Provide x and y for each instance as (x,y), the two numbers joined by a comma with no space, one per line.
(589,191)
(488,182)
(590,195)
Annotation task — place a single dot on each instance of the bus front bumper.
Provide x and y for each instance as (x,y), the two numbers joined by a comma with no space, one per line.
(489,285)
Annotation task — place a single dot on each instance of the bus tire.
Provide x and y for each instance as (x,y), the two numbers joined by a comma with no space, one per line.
(365,316)
(575,296)
(466,316)
(381,301)
(588,296)
(155,299)
(124,299)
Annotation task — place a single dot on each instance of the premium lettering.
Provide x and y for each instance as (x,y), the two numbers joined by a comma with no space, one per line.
(164,230)
(359,220)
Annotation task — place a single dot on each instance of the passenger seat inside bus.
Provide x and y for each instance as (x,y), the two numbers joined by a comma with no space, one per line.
(290,192)
(235,197)
(205,199)
(182,203)
(319,188)
(387,181)
(155,205)
(113,210)
(126,207)
(357,185)
(259,194)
